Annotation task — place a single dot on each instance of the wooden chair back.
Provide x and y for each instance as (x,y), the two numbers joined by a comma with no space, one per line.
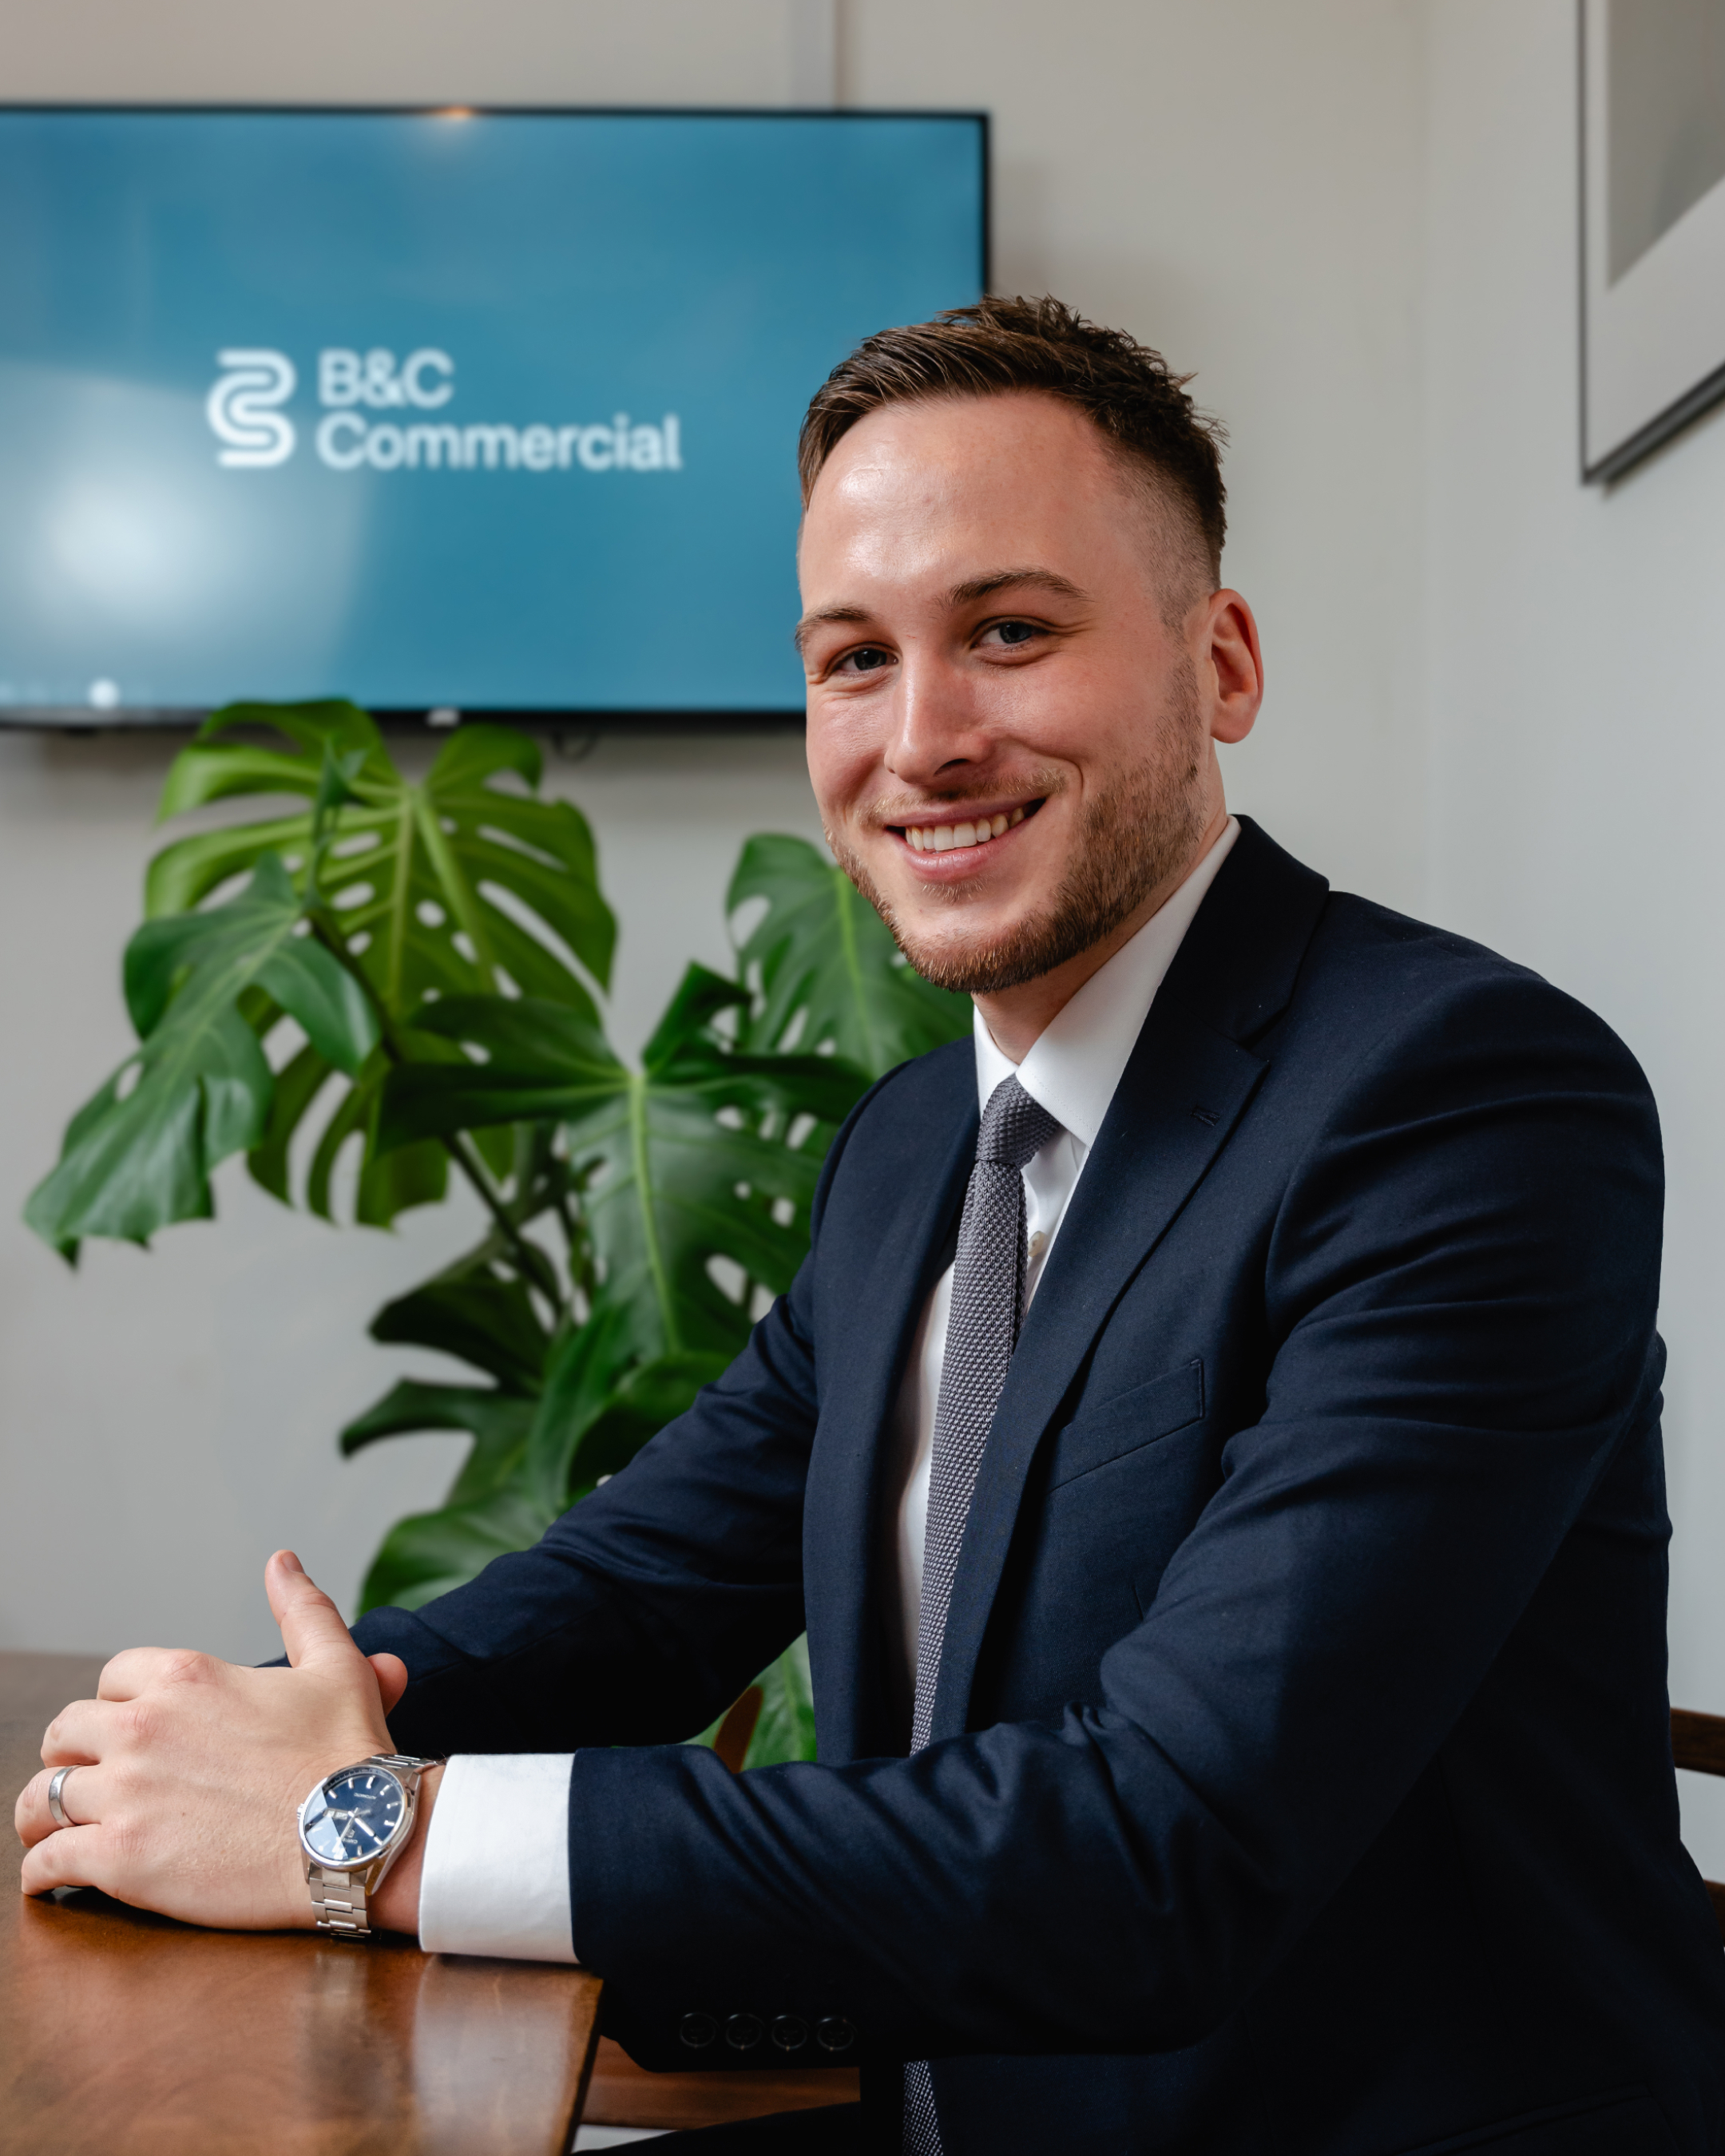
(1699,1743)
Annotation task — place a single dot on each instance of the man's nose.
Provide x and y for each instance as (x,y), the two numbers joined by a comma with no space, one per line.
(937,730)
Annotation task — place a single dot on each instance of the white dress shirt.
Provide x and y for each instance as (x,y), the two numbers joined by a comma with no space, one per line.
(496,1873)
(1072,1070)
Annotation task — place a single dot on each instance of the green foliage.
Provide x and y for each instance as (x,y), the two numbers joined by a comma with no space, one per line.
(473,1313)
(428,880)
(825,968)
(696,1187)
(466,884)
(487,1512)
(136,1157)
(427,1553)
(438,945)
(497,1422)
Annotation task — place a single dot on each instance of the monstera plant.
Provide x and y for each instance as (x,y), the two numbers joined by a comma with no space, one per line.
(416,972)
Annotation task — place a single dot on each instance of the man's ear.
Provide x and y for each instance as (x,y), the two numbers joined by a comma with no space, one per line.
(1231,654)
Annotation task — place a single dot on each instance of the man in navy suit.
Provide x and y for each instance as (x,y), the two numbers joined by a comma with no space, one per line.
(1223,1497)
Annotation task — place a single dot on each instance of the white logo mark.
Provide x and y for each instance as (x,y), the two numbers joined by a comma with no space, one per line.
(241,408)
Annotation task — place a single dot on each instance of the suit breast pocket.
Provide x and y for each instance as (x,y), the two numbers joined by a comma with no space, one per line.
(1129,1422)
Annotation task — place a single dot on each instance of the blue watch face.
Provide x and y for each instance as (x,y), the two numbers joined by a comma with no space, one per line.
(350,1819)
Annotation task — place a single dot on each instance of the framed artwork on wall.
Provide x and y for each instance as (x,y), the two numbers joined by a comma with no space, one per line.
(1652,96)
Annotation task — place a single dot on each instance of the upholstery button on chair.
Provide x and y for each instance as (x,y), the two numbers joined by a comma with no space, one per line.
(697,2030)
(790,2032)
(743,2031)
(834,2034)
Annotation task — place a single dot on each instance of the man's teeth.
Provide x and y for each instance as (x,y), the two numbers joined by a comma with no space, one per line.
(943,838)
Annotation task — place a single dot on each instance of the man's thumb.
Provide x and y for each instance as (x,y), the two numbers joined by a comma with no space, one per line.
(311,1627)
(391,1672)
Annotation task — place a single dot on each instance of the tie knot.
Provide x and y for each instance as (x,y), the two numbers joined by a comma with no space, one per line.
(1015,1128)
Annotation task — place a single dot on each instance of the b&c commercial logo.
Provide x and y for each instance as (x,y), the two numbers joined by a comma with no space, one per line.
(242,412)
(244,409)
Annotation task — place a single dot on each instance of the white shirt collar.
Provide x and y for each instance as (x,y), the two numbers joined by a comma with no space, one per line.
(1074,1065)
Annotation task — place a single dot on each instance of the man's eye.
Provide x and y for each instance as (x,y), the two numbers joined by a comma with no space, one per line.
(1013,634)
(867,659)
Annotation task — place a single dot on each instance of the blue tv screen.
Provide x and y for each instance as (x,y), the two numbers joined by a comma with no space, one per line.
(471,412)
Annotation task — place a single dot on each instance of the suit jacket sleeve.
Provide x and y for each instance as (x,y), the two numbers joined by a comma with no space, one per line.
(1459,1290)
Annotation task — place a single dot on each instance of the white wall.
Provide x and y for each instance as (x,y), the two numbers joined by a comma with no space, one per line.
(1576,638)
(1237,181)
(401,52)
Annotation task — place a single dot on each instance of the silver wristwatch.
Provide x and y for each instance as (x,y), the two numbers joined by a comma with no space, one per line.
(353,1827)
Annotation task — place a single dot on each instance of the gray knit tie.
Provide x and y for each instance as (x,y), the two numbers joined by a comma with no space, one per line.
(987,1306)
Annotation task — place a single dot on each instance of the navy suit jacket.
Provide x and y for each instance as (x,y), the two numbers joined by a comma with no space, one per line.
(1301,1779)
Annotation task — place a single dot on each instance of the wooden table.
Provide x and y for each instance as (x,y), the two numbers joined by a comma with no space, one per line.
(128,2035)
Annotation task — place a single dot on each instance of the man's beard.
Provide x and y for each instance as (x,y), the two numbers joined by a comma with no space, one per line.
(1132,835)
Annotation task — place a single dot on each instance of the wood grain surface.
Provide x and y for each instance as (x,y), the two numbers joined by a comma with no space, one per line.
(123,2033)
(128,2035)
(621,2093)
(1698,1741)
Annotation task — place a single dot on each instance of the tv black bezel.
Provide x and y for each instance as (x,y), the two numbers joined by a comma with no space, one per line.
(570,720)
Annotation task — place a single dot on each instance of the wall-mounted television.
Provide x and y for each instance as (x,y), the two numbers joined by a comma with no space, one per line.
(451,413)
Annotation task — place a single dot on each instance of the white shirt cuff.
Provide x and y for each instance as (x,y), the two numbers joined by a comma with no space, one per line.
(496,1874)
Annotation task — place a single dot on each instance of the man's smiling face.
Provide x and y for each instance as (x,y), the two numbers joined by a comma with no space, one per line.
(1014,683)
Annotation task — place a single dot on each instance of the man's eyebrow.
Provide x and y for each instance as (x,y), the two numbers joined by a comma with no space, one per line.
(1003,580)
(822,615)
(964,594)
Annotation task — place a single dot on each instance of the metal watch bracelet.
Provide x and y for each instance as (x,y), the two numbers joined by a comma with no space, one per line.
(340,1898)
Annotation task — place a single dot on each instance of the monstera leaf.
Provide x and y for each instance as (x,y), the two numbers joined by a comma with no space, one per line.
(488,1511)
(696,1192)
(139,1154)
(427,1553)
(430,881)
(457,887)
(497,1421)
(608,1389)
(820,953)
(471,1313)
(492,1323)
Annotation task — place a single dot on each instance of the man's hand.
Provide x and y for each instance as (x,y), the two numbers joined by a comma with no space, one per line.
(189,1771)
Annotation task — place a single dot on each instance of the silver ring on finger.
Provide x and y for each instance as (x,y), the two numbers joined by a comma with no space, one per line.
(56,1804)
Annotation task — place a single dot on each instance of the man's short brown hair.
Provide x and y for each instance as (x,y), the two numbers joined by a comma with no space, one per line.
(1129,392)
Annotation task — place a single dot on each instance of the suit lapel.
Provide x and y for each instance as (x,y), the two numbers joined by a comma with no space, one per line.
(1180,1097)
(1188,1082)
(928,1170)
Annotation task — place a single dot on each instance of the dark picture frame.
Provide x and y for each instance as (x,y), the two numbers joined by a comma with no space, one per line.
(1652,228)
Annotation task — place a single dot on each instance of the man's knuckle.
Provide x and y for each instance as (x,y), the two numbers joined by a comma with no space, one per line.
(125,1838)
(139,1720)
